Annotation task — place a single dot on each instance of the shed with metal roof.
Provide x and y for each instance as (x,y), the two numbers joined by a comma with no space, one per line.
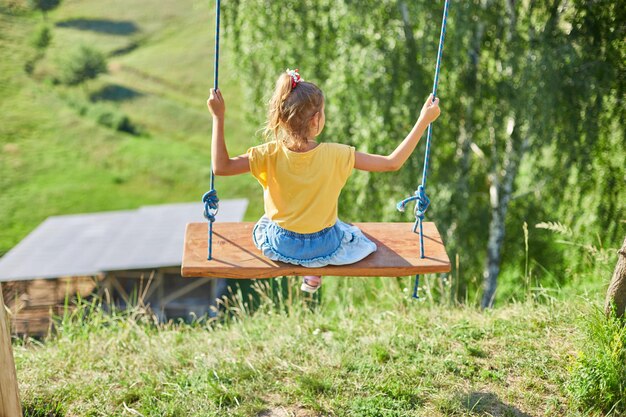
(129,253)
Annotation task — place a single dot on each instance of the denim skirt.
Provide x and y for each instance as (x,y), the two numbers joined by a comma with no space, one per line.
(340,244)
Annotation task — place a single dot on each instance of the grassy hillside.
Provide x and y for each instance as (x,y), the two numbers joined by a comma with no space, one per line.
(57,159)
(387,357)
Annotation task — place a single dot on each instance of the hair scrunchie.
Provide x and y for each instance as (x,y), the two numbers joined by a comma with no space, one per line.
(295,77)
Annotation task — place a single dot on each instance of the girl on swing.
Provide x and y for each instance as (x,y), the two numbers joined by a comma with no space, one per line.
(302,179)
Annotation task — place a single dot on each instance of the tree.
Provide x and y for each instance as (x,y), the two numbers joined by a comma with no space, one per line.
(44,6)
(42,38)
(616,294)
(84,64)
(520,82)
(516,88)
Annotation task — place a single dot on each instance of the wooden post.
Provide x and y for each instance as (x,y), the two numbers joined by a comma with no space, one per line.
(160,294)
(9,396)
(616,294)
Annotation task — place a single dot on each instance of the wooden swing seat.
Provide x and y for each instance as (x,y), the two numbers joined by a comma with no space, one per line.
(235,256)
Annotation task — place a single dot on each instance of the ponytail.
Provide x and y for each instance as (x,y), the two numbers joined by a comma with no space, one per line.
(291,107)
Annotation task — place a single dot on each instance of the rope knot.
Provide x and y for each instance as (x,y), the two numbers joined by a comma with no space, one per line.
(421,203)
(211,205)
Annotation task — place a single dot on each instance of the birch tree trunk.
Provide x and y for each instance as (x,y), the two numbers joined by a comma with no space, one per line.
(502,179)
(500,193)
(616,295)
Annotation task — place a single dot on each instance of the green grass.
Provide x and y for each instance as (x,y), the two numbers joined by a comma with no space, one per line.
(389,356)
(598,382)
(55,160)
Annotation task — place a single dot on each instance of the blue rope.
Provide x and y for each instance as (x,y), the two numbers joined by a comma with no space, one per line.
(416,286)
(217,42)
(211,207)
(210,200)
(422,200)
(421,205)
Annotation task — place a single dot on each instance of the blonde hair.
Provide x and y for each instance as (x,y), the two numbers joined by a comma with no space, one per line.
(290,110)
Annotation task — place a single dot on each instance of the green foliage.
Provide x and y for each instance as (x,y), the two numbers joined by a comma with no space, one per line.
(42,37)
(29,66)
(598,381)
(84,64)
(590,261)
(529,90)
(44,5)
(105,114)
(112,118)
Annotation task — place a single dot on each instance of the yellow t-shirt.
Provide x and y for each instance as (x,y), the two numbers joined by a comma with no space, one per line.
(301,189)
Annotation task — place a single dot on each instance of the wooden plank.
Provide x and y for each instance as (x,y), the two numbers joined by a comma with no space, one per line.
(9,394)
(235,255)
(182,291)
(122,292)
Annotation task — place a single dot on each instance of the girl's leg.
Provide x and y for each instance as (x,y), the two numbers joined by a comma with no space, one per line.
(311,283)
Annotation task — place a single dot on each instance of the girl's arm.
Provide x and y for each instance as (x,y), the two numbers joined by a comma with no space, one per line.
(222,163)
(395,160)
